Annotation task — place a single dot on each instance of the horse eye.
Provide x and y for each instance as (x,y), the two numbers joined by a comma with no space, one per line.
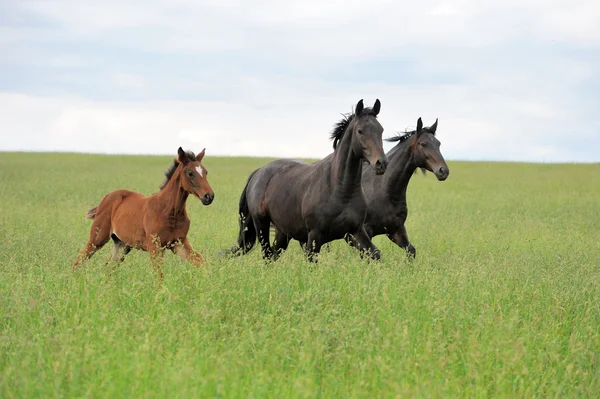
(360,131)
(190,173)
(424,144)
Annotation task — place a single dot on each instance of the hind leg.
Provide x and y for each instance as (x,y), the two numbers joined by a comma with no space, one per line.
(262,226)
(280,243)
(99,236)
(119,251)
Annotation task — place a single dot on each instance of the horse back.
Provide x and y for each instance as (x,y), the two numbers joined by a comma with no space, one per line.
(121,203)
(276,191)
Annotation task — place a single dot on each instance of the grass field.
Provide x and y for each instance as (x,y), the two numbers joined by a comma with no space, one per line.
(503,299)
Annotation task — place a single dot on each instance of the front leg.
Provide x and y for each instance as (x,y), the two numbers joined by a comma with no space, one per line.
(312,247)
(184,250)
(362,241)
(156,252)
(400,238)
(351,240)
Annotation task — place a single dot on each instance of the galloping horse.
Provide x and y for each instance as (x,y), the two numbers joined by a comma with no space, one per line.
(315,203)
(386,195)
(151,223)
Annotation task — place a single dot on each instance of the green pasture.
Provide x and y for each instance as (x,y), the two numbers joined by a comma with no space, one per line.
(503,299)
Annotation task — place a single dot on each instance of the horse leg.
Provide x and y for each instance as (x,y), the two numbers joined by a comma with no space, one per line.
(263,229)
(99,236)
(156,252)
(280,243)
(365,245)
(400,238)
(185,251)
(119,251)
(313,246)
(351,240)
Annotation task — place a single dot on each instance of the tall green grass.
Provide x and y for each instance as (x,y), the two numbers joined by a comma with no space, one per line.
(503,299)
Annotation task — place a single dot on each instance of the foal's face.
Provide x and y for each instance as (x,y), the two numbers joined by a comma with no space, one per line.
(427,151)
(194,177)
(367,140)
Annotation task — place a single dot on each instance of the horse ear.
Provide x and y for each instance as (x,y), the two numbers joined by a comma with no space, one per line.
(376,107)
(433,127)
(359,107)
(182,156)
(200,156)
(419,125)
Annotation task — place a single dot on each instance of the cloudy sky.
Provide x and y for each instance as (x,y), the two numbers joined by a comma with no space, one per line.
(511,80)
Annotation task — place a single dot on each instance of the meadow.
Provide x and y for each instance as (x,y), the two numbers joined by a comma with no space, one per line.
(503,299)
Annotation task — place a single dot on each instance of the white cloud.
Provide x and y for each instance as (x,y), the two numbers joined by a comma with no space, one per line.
(287,125)
(501,105)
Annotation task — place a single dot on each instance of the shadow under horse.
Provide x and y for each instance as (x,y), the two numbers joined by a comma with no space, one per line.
(386,195)
(151,223)
(315,203)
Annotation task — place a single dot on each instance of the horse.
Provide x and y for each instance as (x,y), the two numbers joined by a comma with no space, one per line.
(151,223)
(386,195)
(314,203)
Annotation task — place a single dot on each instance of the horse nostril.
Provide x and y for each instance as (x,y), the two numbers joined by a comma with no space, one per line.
(442,170)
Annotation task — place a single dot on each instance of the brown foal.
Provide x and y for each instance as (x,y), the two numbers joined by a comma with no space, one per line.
(152,223)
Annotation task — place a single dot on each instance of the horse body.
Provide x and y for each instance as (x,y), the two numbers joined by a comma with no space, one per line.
(151,223)
(387,209)
(314,203)
(124,214)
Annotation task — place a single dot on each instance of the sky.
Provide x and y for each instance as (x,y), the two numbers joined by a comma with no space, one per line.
(508,80)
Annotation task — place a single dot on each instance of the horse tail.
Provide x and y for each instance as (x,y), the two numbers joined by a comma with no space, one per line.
(91,214)
(247,235)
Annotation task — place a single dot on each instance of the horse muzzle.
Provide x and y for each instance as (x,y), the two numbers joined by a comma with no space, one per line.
(380,166)
(208,198)
(441,172)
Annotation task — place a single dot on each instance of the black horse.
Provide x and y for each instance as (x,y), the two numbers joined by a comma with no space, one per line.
(315,203)
(386,195)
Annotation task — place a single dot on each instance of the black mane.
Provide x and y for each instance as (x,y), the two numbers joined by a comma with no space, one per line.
(340,127)
(401,137)
(171,171)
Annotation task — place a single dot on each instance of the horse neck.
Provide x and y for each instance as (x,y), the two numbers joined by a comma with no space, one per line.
(400,169)
(172,197)
(347,166)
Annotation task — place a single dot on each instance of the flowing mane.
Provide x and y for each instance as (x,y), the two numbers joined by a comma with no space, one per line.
(171,171)
(401,137)
(340,128)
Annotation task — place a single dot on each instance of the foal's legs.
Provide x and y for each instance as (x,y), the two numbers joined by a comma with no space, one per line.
(156,252)
(119,251)
(99,236)
(185,251)
(364,244)
(400,238)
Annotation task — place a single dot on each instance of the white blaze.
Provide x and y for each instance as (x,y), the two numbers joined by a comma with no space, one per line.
(200,172)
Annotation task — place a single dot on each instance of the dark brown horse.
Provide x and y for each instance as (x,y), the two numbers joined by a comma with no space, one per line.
(151,223)
(315,203)
(386,195)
